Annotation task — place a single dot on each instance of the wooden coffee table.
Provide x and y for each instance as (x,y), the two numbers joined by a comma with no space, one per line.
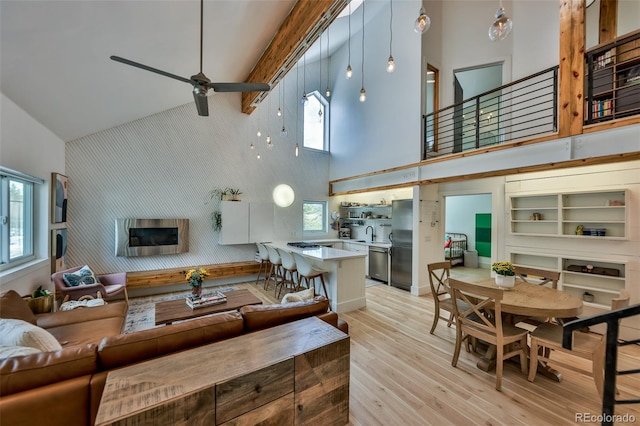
(177,310)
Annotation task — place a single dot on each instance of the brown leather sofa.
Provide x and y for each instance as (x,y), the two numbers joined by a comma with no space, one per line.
(65,387)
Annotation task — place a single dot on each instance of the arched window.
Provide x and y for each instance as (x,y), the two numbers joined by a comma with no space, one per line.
(316,122)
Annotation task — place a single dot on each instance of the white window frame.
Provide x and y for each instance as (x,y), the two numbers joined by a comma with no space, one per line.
(325,137)
(324,219)
(27,217)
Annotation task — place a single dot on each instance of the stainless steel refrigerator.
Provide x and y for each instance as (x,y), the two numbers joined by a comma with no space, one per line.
(401,243)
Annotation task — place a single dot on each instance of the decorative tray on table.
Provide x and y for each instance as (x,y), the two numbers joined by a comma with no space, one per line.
(204,301)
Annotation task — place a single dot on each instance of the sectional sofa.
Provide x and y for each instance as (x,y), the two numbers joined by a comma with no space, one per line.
(64,387)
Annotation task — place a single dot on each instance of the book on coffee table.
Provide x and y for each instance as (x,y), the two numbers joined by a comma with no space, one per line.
(214,299)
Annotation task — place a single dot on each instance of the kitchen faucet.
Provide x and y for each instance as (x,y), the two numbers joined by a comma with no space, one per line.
(367,231)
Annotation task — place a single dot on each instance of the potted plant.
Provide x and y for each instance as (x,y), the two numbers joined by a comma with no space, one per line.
(195,277)
(235,193)
(505,274)
(40,301)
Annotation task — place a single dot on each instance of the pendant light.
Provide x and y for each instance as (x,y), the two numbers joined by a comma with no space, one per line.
(297,147)
(363,93)
(269,142)
(327,92)
(423,22)
(283,132)
(391,64)
(349,70)
(320,82)
(501,27)
(304,98)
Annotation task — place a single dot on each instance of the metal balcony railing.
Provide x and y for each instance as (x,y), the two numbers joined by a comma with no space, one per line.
(523,109)
(612,319)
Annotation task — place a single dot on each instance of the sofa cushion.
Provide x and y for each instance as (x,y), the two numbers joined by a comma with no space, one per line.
(59,318)
(88,331)
(299,296)
(21,373)
(15,332)
(82,276)
(14,306)
(258,317)
(9,351)
(124,349)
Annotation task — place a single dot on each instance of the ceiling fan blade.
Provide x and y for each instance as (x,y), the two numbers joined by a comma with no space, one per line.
(201,102)
(148,68)
(239,87)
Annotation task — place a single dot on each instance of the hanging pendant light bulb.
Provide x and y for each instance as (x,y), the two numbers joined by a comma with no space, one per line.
(363,93)
(423,22)
(349,70)
(251,147)
(391,64)
(258,156)
(269,143)
(304,98)
(283,132)
(502,26)
(327,92)
(297,150)
(279,112)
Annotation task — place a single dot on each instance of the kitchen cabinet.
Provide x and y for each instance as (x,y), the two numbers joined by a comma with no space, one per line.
(245,223)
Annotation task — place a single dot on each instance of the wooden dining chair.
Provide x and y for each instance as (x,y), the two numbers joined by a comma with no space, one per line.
(547,338)
(475,322)
(439,273)
(537,276)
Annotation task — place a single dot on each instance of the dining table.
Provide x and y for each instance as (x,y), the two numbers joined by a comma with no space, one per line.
(531,300)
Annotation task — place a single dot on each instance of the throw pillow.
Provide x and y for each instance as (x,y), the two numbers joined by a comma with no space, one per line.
(15,332)
(11,351)
(299,296)
(82,276)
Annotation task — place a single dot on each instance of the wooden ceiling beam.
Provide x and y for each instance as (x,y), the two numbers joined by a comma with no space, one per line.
(305,23)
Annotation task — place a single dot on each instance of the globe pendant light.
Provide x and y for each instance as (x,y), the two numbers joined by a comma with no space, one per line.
(391,64)
(349,70)
(363,93)
(423,22)
(502,26)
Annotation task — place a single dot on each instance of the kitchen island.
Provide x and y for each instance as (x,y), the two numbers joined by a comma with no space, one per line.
(344,278)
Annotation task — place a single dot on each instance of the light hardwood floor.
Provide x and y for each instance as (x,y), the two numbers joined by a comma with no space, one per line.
(402,375)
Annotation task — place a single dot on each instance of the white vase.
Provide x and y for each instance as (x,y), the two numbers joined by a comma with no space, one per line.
(504,281)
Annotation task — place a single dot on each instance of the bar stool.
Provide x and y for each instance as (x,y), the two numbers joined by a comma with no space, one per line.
(288,265)
(264,261)
(275,272)
(308,273)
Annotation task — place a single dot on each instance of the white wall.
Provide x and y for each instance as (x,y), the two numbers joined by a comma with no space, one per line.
(384,131)
(27,146)
(165,165)
(461,213)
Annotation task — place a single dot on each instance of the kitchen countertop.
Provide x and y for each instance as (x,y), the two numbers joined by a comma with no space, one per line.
(345,240)
(319,253)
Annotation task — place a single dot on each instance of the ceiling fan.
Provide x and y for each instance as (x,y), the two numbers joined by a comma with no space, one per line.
(201,84)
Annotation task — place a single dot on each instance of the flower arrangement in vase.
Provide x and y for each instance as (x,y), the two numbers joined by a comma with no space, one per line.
(505,274)
(195,277)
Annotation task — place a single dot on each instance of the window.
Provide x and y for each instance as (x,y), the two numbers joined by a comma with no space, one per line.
(314,216)
(316,122)
(16,218)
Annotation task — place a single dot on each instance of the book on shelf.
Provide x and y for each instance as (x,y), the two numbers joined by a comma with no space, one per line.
(602,60)
(204,301)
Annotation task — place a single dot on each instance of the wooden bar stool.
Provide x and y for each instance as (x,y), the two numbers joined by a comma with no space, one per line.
(264,261)
(288,266)
(275,272)
(307,272)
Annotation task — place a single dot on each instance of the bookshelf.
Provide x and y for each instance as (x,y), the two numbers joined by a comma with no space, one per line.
(613,79)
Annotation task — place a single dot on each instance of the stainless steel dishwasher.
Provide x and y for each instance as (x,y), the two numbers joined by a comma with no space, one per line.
(379,263)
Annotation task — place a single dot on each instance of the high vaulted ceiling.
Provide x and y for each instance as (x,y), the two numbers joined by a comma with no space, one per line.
(55,55)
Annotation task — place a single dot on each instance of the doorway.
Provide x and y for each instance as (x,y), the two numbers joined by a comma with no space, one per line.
(471,215)
(476,122)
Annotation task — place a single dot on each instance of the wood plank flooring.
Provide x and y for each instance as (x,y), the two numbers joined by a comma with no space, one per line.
(402,375)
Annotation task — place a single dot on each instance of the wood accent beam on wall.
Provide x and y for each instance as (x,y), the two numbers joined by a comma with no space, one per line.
(608,25)
(304,24)
(571,71)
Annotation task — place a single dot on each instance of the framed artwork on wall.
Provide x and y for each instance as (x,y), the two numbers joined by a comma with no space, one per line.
(58,250)
(58,198)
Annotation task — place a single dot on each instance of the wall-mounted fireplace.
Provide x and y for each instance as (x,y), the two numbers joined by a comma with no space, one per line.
(151,237)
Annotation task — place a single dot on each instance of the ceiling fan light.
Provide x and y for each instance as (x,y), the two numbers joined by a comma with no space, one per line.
(501,27)
(423,22)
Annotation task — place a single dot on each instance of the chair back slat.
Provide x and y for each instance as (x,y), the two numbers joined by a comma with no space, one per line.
(439,273)
(537,276)
(481,300)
